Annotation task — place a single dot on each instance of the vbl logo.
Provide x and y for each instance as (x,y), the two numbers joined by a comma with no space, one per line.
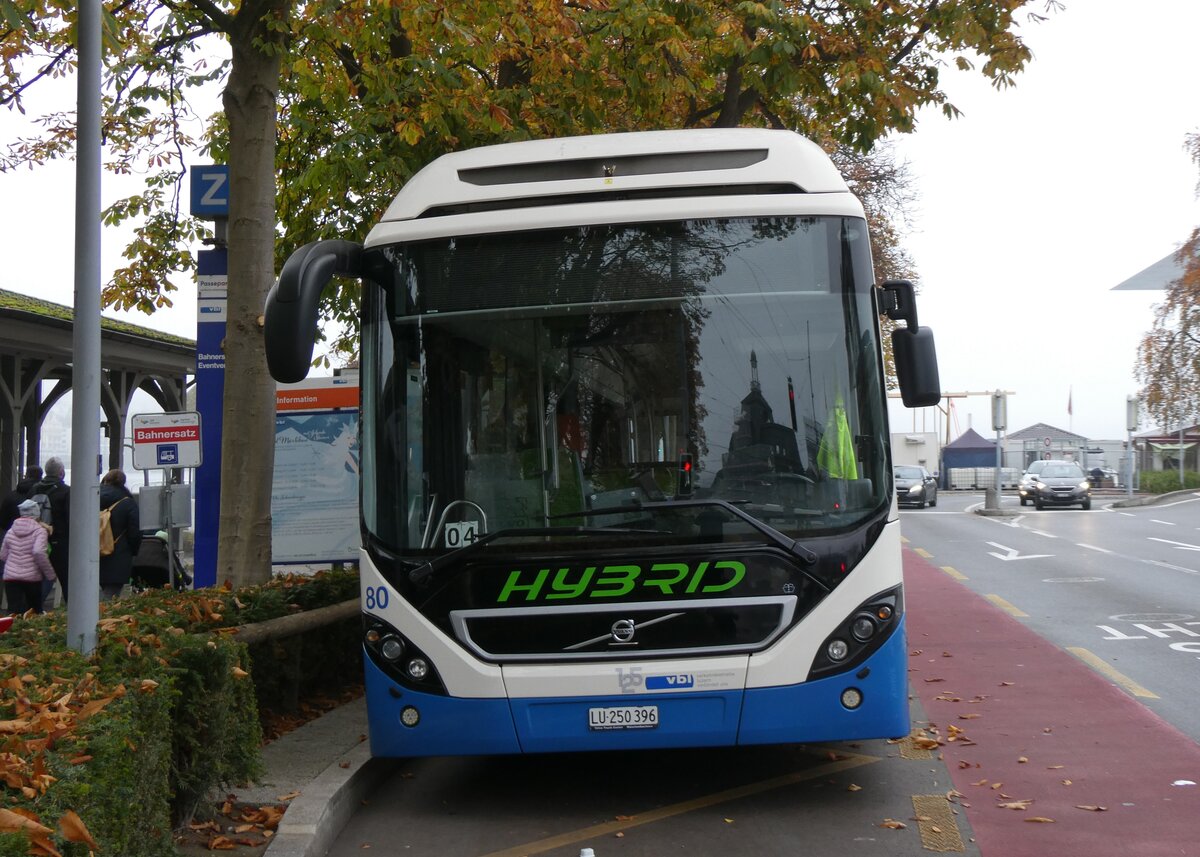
(660,682)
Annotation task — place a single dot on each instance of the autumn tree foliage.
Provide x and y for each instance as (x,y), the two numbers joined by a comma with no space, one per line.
(1169,355)
(329,106)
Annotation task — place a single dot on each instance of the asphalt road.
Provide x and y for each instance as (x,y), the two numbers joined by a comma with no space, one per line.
(1119,588)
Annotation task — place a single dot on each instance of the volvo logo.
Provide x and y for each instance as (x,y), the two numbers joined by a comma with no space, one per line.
(623,630)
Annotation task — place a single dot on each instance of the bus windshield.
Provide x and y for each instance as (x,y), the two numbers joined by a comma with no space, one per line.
(557,382)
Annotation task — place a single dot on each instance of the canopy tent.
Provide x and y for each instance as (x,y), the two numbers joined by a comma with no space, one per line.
(970,449)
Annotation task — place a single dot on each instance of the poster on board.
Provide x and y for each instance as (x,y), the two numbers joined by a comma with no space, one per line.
(314,496)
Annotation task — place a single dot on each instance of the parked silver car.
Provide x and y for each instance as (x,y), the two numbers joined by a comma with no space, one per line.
(1062,483)
(915,486)
(1025,485)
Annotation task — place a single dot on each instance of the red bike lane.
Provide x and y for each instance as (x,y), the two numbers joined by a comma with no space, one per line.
(1050,759)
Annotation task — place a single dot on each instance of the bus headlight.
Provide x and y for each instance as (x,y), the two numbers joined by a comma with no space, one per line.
(837,650)
(391,648)
(852,698)
(409,716)
(863,628)
(400,659)
(861,633)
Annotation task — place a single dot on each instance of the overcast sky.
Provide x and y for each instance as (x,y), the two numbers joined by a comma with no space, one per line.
(1031,207)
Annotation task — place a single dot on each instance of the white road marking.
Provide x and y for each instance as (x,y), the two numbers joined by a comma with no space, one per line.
(1045,534)
(1183,546)
(1011,553)
(1161,564)
(1157,521)
(1094,548)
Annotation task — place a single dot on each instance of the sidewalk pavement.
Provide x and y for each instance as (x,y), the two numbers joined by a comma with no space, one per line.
(327,764)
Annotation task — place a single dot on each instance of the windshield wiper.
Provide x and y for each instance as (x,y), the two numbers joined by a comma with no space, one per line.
(426,570)
(792,546)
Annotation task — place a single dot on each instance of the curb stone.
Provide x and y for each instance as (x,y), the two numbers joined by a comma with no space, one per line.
(314,819)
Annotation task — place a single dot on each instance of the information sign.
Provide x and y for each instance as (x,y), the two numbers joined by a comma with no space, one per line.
(166,440)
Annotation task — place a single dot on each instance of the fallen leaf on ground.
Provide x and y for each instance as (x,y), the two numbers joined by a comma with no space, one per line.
(892,824)
(1016,804)
(1041,819)
(1091,807)
(74,830)
(11,822)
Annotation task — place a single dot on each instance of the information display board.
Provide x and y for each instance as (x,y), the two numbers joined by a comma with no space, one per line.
(314,496)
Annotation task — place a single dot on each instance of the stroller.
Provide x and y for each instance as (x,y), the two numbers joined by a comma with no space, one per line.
(154,563)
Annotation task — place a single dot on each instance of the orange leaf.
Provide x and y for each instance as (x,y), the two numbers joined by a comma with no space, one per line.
(1041,819)
(74,830)
(11,822)
(892,824)
(42,847)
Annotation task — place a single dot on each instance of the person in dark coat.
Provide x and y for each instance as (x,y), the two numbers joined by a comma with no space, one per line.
(116,568)
(59,492)
(14,498)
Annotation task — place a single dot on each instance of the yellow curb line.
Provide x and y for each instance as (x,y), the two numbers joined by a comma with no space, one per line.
(1105,669)
(1011,609)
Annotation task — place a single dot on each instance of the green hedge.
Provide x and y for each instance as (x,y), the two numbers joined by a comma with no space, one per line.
(1164,481)
(165,711)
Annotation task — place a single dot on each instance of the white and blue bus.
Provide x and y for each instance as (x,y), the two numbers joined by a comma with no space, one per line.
(626,480)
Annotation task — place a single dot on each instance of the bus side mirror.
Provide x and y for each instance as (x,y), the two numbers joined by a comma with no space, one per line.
(912,347)
(292,304)
(916,367)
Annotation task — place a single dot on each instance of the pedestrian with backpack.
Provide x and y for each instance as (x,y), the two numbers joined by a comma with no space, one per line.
(119,516)
(26,563)
(53,497)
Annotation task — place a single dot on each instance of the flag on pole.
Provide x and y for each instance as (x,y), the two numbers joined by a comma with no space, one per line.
(1069,411)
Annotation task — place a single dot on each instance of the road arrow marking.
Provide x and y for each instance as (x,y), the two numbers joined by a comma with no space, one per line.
(1011,553)
(1183,546)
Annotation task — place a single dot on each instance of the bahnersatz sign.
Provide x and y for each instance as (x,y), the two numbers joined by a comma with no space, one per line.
(166,440)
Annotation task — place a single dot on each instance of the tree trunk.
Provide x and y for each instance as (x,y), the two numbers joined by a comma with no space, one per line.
(248,441)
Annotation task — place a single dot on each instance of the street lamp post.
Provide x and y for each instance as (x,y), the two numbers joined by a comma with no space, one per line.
(1131,424)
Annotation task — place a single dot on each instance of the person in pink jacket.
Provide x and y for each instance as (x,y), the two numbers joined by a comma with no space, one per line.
(26,560)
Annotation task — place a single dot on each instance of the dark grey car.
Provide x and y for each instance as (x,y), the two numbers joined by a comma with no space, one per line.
(1062,483)
(915,486)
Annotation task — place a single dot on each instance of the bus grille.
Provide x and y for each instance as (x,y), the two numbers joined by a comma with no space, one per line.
(624,630)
